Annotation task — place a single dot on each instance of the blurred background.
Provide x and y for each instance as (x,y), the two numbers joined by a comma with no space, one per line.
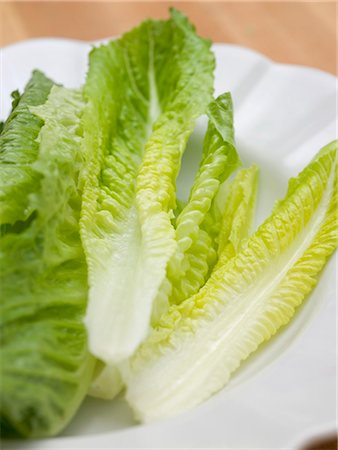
(290,32)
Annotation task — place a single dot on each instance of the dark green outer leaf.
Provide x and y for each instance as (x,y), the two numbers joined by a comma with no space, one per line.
(18,149)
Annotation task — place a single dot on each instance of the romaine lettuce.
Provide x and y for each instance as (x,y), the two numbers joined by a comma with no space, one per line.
(196,252)
(45,365)
(143,94)
(102,163)
(199,343)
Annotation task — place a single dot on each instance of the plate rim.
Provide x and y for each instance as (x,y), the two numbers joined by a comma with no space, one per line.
(96,42)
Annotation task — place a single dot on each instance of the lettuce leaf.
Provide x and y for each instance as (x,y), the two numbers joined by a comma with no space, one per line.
(19,149)
(45,365)
(196,252)
(201,342)
(141,106)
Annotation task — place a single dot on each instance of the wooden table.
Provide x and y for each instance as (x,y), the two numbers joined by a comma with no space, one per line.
(296,33)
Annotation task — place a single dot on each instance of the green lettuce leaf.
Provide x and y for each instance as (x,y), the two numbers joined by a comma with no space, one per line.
(19,149)
(141,106)
(45,365)
(201,342)
(197,226)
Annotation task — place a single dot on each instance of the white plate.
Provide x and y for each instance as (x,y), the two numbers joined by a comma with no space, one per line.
(285,394)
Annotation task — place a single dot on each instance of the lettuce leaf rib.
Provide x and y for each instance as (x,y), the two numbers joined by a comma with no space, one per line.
(199,343)
(144,82)
(107,382)
(45,364)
